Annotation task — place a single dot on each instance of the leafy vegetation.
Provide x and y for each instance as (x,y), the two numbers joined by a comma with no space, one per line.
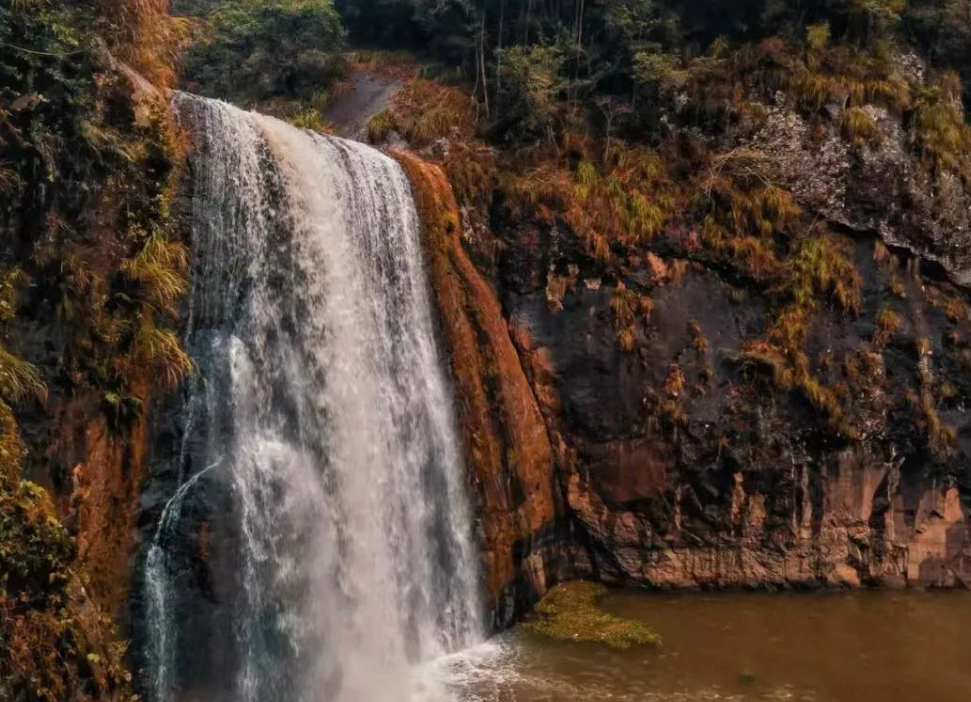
(254,50)
(93,263)
(96,242)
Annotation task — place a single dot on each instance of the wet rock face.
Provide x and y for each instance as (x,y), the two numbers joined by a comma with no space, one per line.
(716,480)
(508,449)
(666,459)
(751,489)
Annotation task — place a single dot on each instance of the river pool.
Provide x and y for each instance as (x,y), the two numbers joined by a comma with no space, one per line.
(820,647)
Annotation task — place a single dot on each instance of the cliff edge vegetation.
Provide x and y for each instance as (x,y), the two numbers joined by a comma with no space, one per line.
(92,269)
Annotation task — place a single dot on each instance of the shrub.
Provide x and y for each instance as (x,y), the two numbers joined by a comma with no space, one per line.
(531,84)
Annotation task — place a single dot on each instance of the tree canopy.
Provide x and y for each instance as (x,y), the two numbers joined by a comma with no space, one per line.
(256,49)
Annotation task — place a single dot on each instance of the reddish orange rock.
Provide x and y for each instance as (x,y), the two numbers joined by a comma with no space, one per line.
(506,441)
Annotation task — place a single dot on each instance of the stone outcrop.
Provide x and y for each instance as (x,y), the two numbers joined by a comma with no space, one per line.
(858,527)
(366,95)
(876,188)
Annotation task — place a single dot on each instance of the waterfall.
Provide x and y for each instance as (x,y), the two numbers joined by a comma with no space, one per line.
(321,411)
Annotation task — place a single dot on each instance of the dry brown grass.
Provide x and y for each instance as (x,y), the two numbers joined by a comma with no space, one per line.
(146,36)
(939,130)
(428,110)
(888,325)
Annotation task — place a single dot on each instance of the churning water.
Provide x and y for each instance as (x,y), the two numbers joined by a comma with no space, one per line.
(321,412)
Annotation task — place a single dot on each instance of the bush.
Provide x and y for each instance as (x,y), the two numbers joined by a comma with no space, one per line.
(531,84)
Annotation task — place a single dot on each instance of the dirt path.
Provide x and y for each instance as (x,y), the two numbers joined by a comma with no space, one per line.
(369,94)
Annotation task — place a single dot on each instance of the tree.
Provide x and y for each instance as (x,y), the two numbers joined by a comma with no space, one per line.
(257,49)
(944,26)
(611,108)
(874,18)
(531,86)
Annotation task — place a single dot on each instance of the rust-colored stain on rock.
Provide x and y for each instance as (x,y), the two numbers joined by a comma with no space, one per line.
(505,438)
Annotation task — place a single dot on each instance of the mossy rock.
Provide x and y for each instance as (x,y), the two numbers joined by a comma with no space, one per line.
(571,612)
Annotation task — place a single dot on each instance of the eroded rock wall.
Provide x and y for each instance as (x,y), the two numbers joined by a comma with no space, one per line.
(589,462)
(746,488)
(506,440)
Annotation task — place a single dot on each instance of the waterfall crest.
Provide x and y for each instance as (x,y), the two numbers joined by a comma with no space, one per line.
(321,410)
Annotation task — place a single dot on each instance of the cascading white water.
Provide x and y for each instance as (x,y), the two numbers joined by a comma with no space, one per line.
(321,403)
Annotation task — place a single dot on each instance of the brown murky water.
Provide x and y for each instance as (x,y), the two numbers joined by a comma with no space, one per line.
(834,647)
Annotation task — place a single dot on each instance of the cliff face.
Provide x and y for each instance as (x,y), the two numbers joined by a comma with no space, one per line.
(747,490)
(704,427)
(690,461)
(748,493)
(91,274)
(508,448)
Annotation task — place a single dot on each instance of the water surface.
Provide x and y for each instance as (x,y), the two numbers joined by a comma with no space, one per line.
(832,647)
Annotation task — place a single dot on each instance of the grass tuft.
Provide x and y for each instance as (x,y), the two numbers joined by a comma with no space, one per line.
(160,271)
(160,349)
(859,128)
(19,379)
(379,127)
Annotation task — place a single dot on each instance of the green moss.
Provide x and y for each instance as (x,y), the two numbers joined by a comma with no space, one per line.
(572,612)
